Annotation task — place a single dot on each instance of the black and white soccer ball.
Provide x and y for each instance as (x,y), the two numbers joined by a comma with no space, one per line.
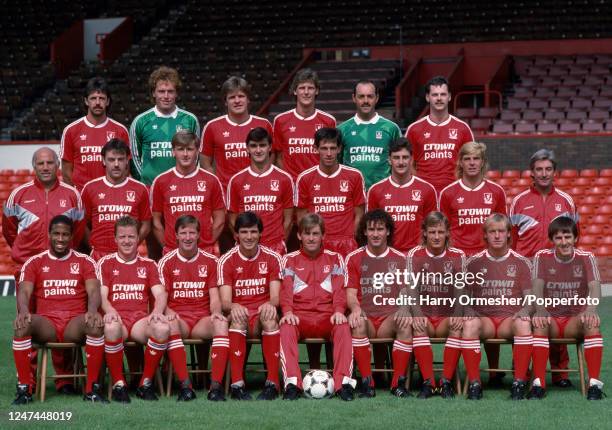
(318,384)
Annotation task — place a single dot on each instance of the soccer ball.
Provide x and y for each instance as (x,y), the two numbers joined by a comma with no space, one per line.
(318,384)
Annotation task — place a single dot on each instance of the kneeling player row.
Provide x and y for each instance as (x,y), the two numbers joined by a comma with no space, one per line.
(244,295)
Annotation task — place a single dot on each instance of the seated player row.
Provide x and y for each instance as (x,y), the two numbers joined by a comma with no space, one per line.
(202,296)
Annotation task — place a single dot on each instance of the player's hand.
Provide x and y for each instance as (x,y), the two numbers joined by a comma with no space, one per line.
(403,319)
(171,315)
(217,316)
(157,317)
(338,318)
(541,319)
(523,314)
(239,314)
(22,320)
(355,319)
(111,316)
(267,312)
(590,319)
(419,324)
(93,320)
(290,318)
(456,323)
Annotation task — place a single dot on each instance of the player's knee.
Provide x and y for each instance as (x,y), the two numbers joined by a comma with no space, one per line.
(270,325)
(359,332)
(160,331)
(471,327)
(112,330)
(235,325)
(521,327)
(219,328)
(405,332)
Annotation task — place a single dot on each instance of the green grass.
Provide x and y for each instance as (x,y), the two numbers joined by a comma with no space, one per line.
(565,408)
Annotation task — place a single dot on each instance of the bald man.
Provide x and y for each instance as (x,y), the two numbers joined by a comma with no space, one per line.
(26,216)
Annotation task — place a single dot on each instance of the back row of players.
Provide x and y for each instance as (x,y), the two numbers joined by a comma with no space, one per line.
(334,190)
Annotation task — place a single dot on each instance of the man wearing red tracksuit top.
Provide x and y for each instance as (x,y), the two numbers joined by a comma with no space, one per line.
(313,302)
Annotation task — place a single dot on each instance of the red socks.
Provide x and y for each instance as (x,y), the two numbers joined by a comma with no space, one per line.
(114,359)
(362,354)
(22,348)
(178,357)
(401,357)
(593,352)
(540,358)
(424,357)
(452,352)
(153,354)
(521,354)
(270,345)
(94,351)
(237,342)
(218,357)
(471,358)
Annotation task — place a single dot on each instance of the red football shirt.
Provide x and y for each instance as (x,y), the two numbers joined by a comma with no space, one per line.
(565,279)
(508,276)
(105,203)
(467,209)
(129,282)
(294,138)
(82,143)
(267,194)
(531,214)
(249,277)
(435,148)
(362,267)
(435,277)
(225,141)
(188,281)
(407,204)
(59,283)
(334,197)
(198,193)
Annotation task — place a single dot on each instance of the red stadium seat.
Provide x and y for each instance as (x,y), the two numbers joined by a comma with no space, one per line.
(523,182)
(569,173)
(596,191)
(588,240)
(602,181)
(606,173)
(594,229)
(605,209)
(505,182)
(590,173)
(590,200)
(511,174)
(582,181)
(603,250)
(526,174)
(608,199)
(601,219)
(586,210)
(493,174)
(563,182)
(513,191)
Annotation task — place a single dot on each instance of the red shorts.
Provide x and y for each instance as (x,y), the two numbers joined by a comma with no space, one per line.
(192,318)
(59,320)
(343,246)
(497,321)
(129,319)
(279,247)
(436,321)
(377,321)
(561,323)
(315,326)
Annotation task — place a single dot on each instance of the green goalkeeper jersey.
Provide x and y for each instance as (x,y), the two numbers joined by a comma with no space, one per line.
(151,135)
(366,146)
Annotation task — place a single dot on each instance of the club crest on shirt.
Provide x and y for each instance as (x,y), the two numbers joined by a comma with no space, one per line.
(263,267)
(62,203)
(488,198)
(392,266)
(74,268)
(179,127)
(274,185)
(141,272)
(378,134)
(344,186)
(558,207)
(110,135)
(130,196)
(577,271)
(201,186)
(416,195)
(511,270)
(448,266)
(452,133)
(318,126)
(202,271)
(364,267)
(326,268)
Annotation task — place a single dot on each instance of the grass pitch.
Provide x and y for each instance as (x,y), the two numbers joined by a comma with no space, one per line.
(561,408)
